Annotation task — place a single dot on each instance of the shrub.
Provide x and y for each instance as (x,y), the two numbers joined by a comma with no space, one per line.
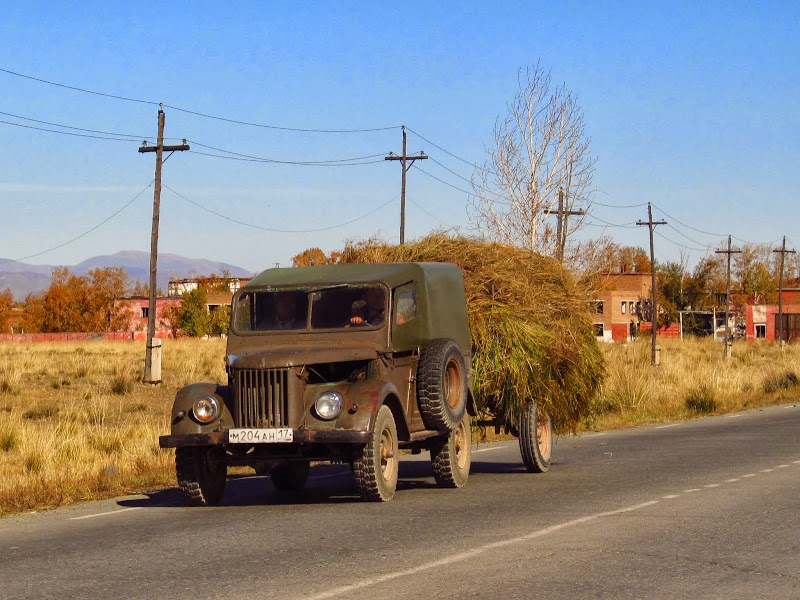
(121,384)
(41,412)
(8,439)
(701,400)
(780,381)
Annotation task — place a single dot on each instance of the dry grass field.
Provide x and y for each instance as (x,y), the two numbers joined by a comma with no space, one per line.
(692,380)
(77,424)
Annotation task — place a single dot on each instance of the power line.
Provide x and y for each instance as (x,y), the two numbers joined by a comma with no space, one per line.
(137,137)
(683,235)
(282,128)
(251,158)
(285,162)
(620,205)
(85,233)
(107,135)
(77,89)
(455,187)
(630,225)
(196,113)
(469,181)
(447,151)
(712,233)
(680,244)
(273,230)
(83,135)
(431,215)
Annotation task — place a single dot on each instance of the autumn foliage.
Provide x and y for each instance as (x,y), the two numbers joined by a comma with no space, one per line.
(6,306)
(75,303)
(315,256)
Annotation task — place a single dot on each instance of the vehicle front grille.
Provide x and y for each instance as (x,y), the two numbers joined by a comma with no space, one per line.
(261,397)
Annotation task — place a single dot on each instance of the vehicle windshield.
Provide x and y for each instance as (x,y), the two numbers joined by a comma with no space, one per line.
(334,307)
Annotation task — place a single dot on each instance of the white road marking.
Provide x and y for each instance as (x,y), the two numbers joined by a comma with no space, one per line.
(782,466)
(671,496)
(666,426)
(749,475)
(105,514)
(711,485)
(346,589)
(732,416)
(796,462)
(488,449)
(732,480)
(767,470)
(691,491)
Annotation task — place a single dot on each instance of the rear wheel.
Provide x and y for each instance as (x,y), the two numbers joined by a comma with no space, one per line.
(452,458)
(376,464)
(290,476)
(535,438)
(201,474)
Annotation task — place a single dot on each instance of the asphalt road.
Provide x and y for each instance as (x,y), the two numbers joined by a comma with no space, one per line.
(700,509)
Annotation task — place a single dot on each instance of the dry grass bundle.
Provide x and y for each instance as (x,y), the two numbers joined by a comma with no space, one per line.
(531,333)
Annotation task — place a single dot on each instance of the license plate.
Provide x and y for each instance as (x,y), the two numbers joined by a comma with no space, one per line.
(280,435)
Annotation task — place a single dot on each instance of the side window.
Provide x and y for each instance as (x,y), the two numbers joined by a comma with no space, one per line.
(624,306)
(405,304)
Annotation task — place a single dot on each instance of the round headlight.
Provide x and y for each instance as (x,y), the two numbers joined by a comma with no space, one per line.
(328,405)
(206,409)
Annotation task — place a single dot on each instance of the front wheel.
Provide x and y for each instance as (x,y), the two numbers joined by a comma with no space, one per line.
(201,474)
(535,438)
(376,463)
(451,459)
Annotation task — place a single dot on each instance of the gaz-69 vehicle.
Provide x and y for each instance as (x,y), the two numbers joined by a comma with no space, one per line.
(341,363)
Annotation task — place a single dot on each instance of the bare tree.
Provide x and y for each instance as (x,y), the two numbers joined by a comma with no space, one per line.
(539,148)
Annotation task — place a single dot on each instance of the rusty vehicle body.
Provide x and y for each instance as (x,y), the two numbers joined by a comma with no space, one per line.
(342,363)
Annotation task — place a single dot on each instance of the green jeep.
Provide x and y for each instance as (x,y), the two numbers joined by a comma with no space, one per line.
(341,363)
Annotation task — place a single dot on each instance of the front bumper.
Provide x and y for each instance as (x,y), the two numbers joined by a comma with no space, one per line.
(301,436)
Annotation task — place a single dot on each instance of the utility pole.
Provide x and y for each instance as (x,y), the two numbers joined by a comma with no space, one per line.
(728,341)
(561,226)
(783,251)
(152,374)
(406,166)
(653,318)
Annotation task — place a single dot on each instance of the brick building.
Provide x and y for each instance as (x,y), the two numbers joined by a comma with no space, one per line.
(621,305)
(762,319)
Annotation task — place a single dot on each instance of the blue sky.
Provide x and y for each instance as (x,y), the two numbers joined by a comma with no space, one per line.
(690,106)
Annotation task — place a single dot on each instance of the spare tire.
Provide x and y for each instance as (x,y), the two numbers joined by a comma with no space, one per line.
(442,384)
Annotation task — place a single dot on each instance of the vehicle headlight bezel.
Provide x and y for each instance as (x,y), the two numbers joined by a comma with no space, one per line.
(206,409)
(328,405)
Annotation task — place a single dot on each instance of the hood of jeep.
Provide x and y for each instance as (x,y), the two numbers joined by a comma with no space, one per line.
(298,355)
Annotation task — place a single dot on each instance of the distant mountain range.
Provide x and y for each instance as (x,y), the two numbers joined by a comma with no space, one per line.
(22,278)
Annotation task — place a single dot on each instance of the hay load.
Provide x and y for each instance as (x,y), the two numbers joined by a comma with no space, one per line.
(531,332)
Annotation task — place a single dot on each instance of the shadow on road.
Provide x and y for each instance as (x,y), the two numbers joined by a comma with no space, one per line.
(328,484)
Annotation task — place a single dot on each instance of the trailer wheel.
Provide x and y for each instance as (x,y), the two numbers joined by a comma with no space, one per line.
(442,384)
(290,476)
(452,458)
(376,464)
(535,438)
(201,474)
